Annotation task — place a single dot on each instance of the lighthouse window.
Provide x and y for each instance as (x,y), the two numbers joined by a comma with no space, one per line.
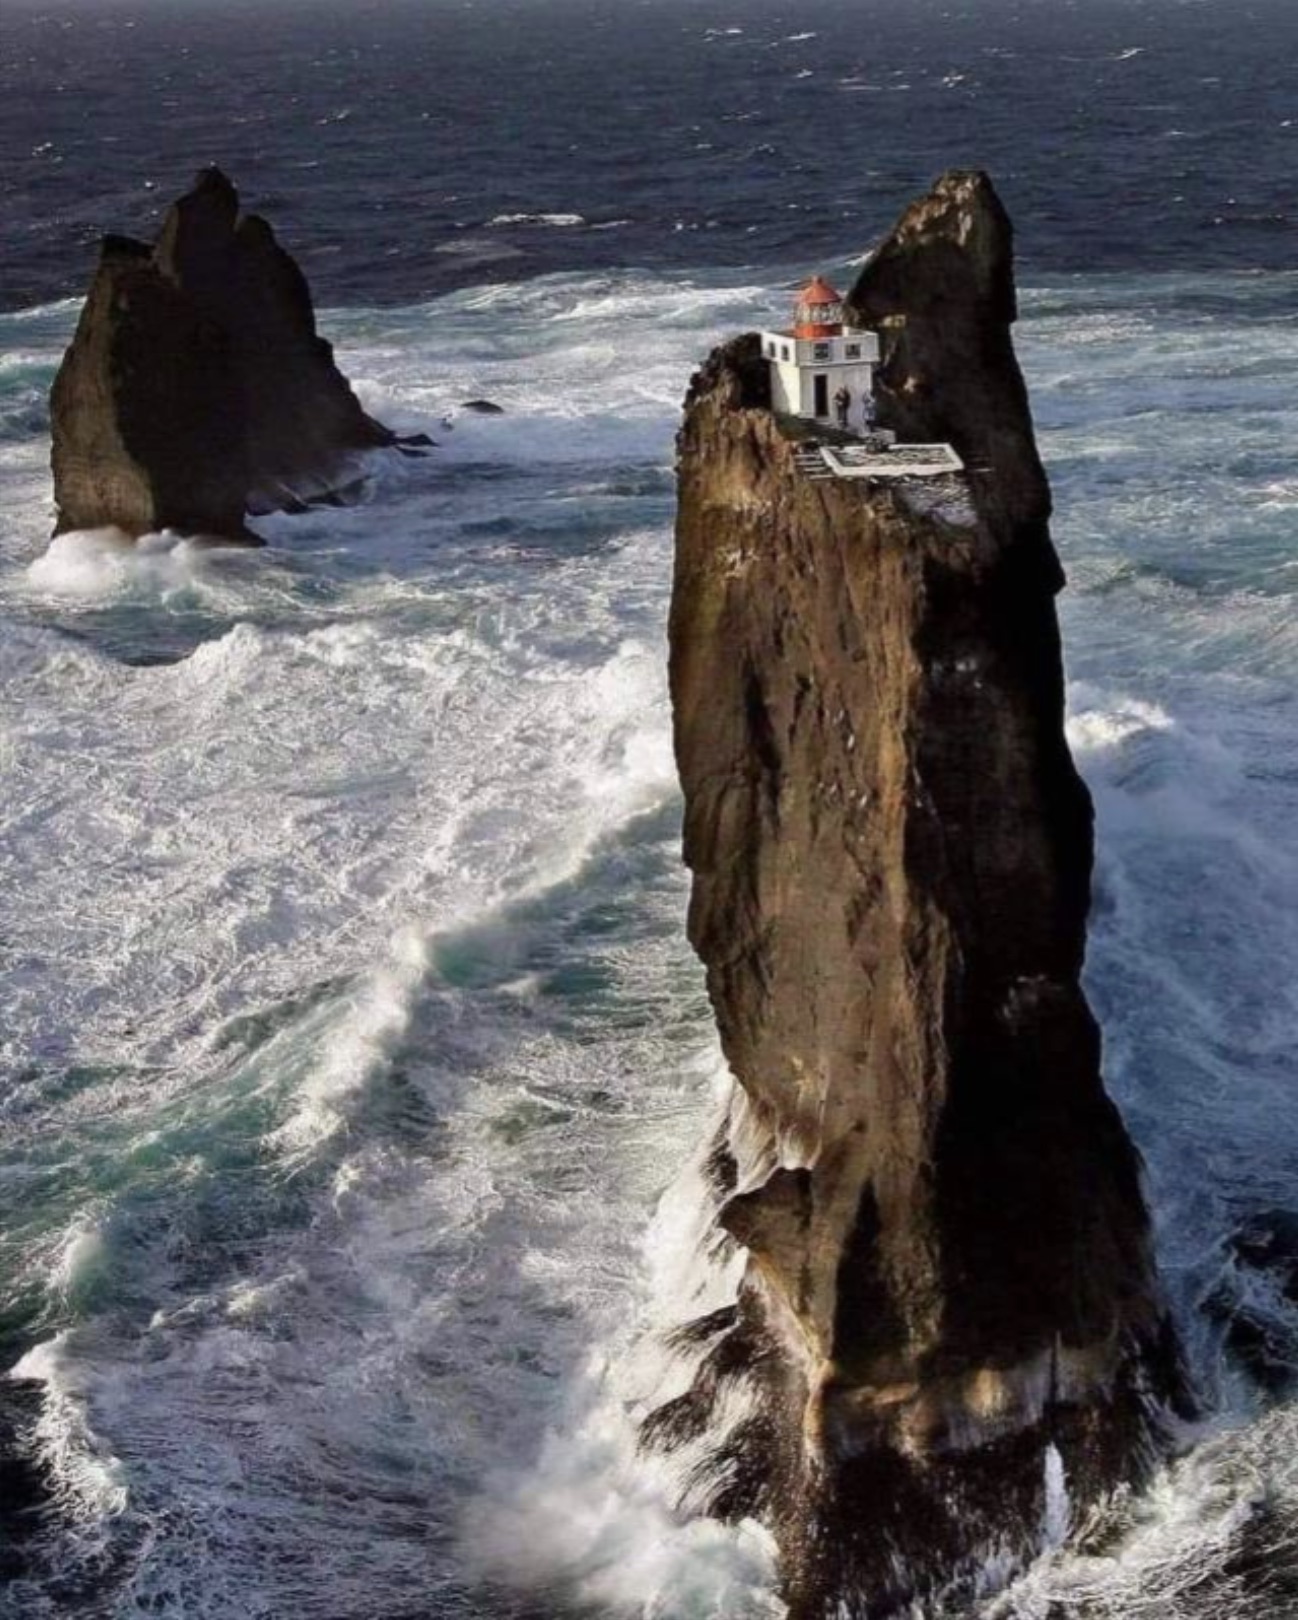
(784,351)
(853,351)
(821,351)
(770,350)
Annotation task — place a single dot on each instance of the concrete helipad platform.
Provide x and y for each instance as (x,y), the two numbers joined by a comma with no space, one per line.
(894,461)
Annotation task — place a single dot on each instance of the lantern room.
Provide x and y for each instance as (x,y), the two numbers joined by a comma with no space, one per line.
(821,368)
(818,312)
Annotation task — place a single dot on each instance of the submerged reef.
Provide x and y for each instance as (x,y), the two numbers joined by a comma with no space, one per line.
(197,389)
(949,1313)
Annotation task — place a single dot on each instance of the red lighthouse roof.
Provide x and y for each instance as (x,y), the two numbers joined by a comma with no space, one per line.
(818,311)
(818,291)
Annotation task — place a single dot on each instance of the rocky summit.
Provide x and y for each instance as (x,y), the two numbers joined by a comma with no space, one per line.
(949,1337)
(197,389)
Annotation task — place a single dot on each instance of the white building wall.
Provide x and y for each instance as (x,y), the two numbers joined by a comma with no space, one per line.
(786,389)
(850,347)
(859,380)
(796,363)
(793,388)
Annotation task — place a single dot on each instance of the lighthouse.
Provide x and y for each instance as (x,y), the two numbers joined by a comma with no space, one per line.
(818,356)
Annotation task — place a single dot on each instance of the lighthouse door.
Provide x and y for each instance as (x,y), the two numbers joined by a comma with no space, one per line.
(821,384)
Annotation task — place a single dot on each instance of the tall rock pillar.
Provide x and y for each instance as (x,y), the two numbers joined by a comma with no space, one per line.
(949,1281)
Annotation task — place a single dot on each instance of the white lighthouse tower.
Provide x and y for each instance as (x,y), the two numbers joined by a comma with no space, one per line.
(818,356)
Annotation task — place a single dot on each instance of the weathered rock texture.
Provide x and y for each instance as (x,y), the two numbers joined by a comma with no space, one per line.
(948,1252)
(196,388)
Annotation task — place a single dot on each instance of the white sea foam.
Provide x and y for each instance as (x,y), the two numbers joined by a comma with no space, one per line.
(1280,494)
(592,1511)
(589,1510)
(557,220)
(270,854)
(1093,729)
(354,1033)
(371,1021)
(88,1480)
(80,1260)
(62,310)
(1057,1517)
(477,248)
(106,562)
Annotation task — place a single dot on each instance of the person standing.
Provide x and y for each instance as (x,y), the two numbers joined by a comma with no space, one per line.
(842,405)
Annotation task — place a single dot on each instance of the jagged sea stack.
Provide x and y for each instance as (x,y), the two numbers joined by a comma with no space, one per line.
(196,388)
(949,1269)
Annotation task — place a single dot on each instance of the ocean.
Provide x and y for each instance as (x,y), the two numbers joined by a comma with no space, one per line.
(354,1067)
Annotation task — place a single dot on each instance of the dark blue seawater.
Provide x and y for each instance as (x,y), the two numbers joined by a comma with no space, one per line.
(353,1064)
(407,146)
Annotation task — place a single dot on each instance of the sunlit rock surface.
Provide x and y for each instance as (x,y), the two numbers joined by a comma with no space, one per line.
(948,1260)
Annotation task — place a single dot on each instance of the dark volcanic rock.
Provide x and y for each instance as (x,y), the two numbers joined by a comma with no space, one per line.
(196,387)
(949,1262)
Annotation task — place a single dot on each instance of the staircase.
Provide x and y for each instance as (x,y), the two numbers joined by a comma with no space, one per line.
(811,464)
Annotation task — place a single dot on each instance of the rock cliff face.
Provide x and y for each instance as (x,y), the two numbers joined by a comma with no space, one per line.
(949,1287)
(196,388)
